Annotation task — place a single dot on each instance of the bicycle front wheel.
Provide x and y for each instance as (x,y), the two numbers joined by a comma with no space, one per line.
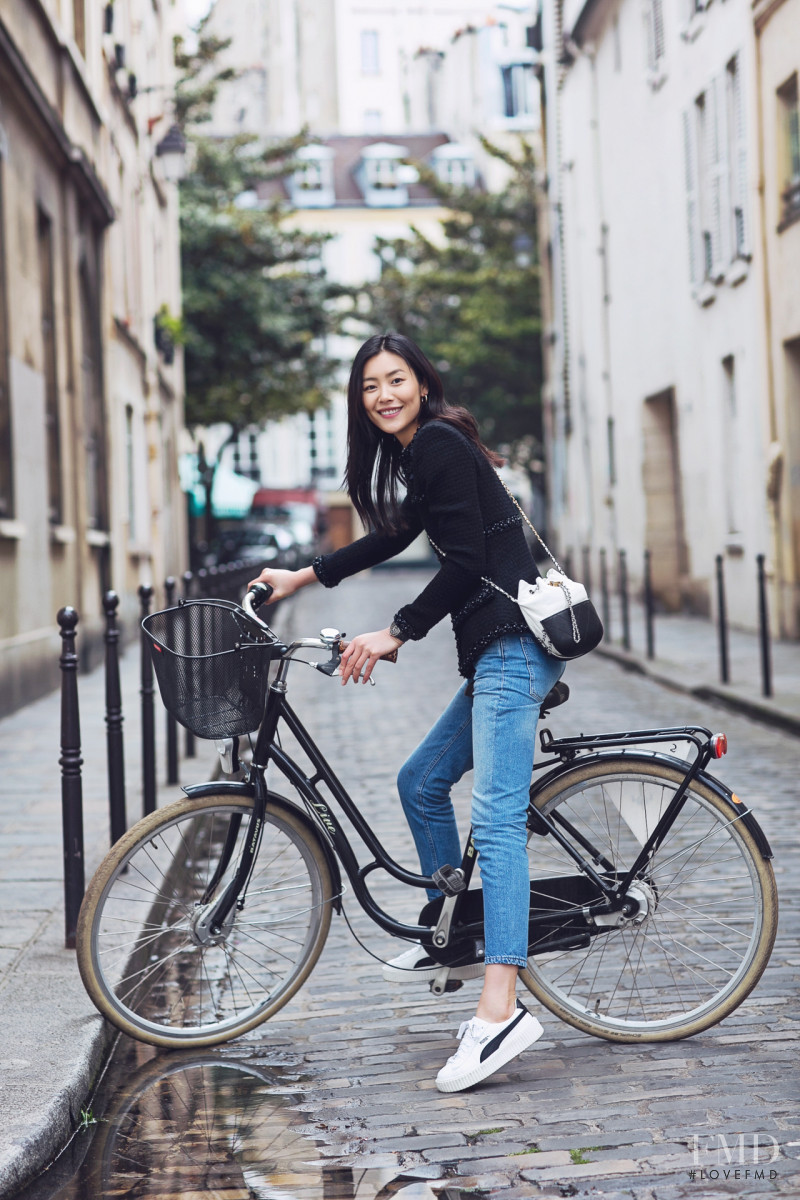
(145,957)
(707,914)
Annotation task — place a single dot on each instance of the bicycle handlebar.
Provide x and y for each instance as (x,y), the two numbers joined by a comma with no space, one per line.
(257,595)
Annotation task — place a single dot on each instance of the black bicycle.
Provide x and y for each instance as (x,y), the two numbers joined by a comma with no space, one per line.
(653,901)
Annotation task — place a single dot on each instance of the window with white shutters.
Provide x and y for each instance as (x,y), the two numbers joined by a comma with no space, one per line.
(737,161)
(713,178)
(692,195)
(654,33)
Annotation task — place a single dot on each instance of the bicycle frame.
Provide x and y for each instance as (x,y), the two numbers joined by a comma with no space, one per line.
(612,889)
(267,750)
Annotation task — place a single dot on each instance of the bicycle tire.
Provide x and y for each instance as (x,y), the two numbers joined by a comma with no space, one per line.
(137,942)
(704,941)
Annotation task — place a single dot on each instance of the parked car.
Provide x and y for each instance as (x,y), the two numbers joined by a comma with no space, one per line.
(259,545)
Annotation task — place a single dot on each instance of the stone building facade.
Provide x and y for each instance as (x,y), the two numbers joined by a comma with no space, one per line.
(777,58)
(90,408)
(671,131)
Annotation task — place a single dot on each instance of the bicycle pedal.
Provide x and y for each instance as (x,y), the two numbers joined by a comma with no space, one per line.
(451,985)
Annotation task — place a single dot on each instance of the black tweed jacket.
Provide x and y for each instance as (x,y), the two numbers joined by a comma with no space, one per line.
(455,496)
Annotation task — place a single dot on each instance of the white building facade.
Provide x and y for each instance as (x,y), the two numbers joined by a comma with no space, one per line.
(656,353)
(376,83)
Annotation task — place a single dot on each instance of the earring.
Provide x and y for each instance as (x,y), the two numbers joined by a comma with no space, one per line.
(424,399)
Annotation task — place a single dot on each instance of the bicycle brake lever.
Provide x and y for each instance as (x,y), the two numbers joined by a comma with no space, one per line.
(331,667)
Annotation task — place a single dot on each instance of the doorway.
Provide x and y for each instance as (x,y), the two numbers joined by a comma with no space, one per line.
(664,528)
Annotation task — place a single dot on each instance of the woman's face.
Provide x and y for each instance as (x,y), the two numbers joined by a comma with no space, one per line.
(392,395)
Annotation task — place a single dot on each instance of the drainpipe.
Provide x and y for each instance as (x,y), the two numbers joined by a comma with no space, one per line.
(774,480)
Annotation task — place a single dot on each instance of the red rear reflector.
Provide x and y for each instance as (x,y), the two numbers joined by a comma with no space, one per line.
(719,745)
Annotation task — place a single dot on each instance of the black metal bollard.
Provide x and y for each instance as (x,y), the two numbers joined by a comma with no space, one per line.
(722,624)
(623,600)
(115,749)
(172,724)
(763,629)
(604,600)
(188,745)
(71,784)
(148,711)
(649,613)
(586,558)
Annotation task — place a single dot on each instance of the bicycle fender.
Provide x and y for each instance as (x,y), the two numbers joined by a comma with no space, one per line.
(745,814)
(240,787)
(736,806)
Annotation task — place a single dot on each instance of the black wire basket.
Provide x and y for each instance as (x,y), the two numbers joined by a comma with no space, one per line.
(212,662)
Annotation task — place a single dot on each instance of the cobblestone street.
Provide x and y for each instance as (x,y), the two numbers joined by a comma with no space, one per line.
(573,1112)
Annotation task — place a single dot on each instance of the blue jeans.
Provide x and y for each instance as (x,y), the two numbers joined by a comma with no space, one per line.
(495,732)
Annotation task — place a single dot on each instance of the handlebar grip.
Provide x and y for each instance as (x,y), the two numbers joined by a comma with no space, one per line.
(260,592)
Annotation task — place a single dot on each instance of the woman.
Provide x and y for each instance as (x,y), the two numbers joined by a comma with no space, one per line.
(401,430)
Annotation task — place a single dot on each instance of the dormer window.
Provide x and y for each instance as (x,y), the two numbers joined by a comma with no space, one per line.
(311,185)
(454,165)
(381,172)
(383,177)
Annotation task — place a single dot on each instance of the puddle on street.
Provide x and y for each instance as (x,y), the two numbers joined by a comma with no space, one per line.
(194,1124)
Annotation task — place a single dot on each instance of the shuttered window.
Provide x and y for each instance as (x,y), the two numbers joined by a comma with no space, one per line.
(44,230)
(714,185)
(737,162)
(692,195)
(654,33)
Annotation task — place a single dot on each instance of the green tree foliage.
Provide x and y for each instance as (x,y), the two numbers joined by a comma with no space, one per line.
(472,302)
(256,301)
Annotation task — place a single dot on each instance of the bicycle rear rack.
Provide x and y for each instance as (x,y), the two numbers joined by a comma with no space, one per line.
(568,747)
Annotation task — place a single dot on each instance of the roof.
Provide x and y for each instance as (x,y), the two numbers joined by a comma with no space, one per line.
(347,153)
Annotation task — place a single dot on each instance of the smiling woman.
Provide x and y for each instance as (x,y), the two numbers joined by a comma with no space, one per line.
(393,395)
(403,433)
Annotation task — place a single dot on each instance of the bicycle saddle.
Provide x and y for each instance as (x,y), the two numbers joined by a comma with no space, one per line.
(558,694)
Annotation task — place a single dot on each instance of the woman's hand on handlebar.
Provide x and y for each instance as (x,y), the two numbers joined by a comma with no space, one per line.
(360,655)
(284,583)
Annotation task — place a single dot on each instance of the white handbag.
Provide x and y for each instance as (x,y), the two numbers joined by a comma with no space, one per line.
(557,609)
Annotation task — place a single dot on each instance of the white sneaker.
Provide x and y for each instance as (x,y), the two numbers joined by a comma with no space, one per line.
(486,1046)
(415,964)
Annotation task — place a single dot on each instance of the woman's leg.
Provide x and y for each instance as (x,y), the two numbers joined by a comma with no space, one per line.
(425,782)
(512,678)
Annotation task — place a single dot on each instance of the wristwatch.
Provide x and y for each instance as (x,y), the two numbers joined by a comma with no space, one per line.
(396,632)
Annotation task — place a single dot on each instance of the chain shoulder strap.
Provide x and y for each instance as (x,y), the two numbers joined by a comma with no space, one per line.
(527,520)
(563,584)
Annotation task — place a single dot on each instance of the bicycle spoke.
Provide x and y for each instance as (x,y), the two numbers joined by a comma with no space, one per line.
(699,906)
(156,958)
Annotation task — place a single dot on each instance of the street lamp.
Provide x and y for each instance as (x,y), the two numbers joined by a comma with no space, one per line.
(172,152)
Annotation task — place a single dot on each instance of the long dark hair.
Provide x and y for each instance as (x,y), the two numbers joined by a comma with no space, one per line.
(373,469)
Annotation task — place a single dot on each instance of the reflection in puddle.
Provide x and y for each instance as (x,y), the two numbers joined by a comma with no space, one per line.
(195,1125)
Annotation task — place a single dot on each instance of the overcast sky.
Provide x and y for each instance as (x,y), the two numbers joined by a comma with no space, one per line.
(195,10)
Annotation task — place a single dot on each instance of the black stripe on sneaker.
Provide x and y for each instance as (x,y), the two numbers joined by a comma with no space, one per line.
(497,1041)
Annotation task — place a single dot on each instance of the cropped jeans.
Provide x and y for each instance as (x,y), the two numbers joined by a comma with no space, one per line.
(494,731)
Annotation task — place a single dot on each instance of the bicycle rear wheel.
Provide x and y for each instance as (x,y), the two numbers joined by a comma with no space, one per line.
(144,957)
(708,902)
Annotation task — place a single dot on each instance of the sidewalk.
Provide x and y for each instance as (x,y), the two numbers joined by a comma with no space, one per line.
(687,659)
(53,1042)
